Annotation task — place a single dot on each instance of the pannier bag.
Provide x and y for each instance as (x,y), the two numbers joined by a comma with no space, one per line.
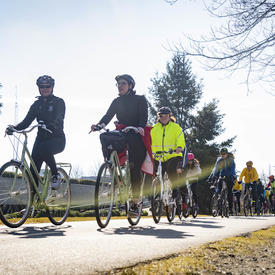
(113,140)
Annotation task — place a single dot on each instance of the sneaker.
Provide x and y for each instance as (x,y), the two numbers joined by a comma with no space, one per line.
(56,180)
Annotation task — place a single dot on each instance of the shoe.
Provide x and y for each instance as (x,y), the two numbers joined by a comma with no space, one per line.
(133,208)
(55,182)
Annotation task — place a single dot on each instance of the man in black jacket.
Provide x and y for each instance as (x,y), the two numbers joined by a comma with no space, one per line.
(130,110)
(51,110)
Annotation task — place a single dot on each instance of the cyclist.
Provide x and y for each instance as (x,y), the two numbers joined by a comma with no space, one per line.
(130,110)
(192,171)
(51,110)
(225,167)
(250,178)
(167,134)
(237,189)
(260,192)
(271,185)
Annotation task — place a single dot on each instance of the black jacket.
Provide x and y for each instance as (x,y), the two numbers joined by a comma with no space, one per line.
(49,109)
(130,110)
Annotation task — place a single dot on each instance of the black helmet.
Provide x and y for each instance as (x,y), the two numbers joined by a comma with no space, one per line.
(164,110)
(45,79)
(224,150)
(126,77)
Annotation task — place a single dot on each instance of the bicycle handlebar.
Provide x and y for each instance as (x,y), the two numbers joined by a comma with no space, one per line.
(99,127)
(40,124)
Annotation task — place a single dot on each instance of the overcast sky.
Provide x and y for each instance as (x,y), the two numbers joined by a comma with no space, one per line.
(85,44)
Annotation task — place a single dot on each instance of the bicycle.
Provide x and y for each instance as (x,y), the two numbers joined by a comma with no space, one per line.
(19,192)
(190,206)
(113,187)
(235,205)
(247,200)
(162,194)
(219,203)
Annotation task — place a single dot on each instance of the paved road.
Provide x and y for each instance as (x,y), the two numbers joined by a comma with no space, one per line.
(82,248)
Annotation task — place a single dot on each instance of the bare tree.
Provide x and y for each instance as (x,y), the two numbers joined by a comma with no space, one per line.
(245,42)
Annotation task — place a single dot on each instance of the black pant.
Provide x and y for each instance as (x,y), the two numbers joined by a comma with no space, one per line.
(137,154)
(44,150)
(170,167)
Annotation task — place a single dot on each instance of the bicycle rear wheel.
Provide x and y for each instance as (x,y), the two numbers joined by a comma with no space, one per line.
(104,195)
(60,200)
(134,217)
(194,209)
(156,202)
(171,210)
(186,207)
(16,194)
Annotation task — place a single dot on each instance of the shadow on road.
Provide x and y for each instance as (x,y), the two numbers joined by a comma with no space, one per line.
(198,222)
(160,233)
(37,232)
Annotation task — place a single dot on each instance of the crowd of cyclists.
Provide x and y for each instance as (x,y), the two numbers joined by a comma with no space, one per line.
(131,109)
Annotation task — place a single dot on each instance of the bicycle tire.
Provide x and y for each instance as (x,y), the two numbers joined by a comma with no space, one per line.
(170,211)
(15,204)
(58,207)
(104,196)
(179,205)
(134,218)
(156,202)
(186,208)
(194,210)
(214,205)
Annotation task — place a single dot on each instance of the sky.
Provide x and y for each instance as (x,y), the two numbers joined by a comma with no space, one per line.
(84,44)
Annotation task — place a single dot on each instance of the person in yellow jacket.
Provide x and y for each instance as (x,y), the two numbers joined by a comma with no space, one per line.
(250,177)
(167,134)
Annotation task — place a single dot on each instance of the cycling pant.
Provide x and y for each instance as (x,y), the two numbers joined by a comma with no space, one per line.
(44,151)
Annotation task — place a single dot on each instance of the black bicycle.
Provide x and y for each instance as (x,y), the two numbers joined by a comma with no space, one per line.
(235,204)
(219,203)
(247,200)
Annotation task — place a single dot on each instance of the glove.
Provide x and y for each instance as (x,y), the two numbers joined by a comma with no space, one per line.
(240,182)
(141,131)
(9,130)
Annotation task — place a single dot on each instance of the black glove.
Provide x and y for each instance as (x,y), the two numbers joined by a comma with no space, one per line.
(240,182)
(9,130)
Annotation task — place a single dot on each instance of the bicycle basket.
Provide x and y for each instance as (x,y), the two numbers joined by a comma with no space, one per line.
(112,141)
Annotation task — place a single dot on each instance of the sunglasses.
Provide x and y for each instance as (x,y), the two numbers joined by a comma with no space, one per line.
(223,154)
(45,87)
(165,115)
(122,83)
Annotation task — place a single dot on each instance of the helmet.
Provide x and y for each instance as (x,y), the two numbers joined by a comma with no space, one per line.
(271,177)
(191,156)
(44,79)
(126,77)
(224,150)
(164,110)
(249,163)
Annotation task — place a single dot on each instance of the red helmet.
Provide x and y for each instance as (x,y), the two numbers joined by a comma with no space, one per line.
(271,177)
(191,156)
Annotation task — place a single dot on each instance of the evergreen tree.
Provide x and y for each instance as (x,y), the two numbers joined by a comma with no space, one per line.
(180,90)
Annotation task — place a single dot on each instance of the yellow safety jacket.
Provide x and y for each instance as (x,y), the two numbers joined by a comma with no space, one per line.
(237,186)
(249,176)
(165,137)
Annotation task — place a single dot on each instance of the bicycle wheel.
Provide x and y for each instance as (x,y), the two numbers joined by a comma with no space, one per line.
(104,195)
(214,205)
(134,217)
(60,200)
(246,205)
(16,194)
(235,206)
(194,209)
(179,205)
(170,210)
(156,202)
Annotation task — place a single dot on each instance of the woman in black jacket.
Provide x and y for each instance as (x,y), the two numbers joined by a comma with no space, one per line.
(51,110)
(130,110)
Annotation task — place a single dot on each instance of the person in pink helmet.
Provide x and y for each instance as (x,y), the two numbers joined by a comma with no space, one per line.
(192,172)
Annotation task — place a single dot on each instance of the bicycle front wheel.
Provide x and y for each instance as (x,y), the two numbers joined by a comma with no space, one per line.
(214,205)
(15,194)
(60,200)
(156,201)
(104,195)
